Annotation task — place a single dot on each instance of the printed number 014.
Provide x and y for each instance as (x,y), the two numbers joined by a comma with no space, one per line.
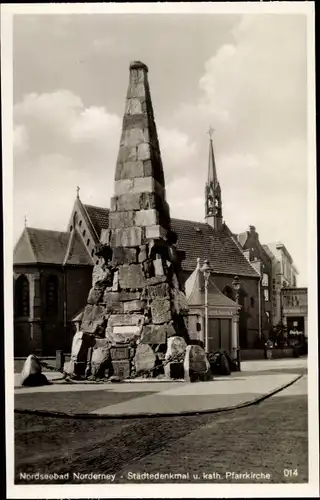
(290,472)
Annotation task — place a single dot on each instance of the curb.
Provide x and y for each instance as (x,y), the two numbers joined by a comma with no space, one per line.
(91,416)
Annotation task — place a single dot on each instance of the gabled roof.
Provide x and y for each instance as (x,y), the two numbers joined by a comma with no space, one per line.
(76,253)
(41,246)
(99,217)
(195,290)
(225,257)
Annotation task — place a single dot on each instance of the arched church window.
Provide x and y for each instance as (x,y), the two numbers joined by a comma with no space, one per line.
(22,297)
(88,242)
(84,233)
(52,296)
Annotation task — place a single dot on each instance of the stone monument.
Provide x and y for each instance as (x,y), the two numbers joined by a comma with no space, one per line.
(137,294)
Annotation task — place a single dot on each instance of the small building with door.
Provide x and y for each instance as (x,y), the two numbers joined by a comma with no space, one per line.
(223,314)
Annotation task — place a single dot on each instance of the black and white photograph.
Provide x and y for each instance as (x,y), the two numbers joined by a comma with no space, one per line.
(159,174)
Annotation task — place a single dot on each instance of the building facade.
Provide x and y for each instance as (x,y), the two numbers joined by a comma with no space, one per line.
(262,262)
(284,274)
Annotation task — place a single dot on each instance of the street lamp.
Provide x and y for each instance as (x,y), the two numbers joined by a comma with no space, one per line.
(236,284)
(206,270)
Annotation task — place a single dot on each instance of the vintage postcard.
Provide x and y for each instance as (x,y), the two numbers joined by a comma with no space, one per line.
(160,250)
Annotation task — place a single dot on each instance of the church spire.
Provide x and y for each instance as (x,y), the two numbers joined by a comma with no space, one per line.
(213,191)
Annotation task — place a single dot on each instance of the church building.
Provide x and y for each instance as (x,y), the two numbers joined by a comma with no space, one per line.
(53,271)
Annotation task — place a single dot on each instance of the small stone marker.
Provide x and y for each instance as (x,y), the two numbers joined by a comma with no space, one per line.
(31,372)
(144,359)
(176,351)
(196,365)
(99,361)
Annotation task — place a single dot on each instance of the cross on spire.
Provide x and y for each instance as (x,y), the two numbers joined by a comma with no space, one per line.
(78,189)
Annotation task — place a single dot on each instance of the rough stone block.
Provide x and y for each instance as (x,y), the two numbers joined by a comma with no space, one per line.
(159,291)
(144,152)
(126,237)
(146,217)
(101,275)
(160,311)
(123,186)
(196,365)
(155,231)
(131,276)
(105,236)
(112,302)
(95,295)
(118,353)
(127,201)
(116,320)
(136,90)
(123,255)
(152,334)
(133,137)
(147,168)
(133,306)
(143,254)
(100,361)
(133,107)
(176,349)
(155,280)
(94,316)
(121,219)
(145,358)
(129,170)
(124,296)
(31,373)
(121,368)
(135,121)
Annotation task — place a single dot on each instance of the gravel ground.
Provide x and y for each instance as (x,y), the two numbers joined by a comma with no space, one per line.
(268,437)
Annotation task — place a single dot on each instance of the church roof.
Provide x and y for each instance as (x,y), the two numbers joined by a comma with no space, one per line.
(76,253)
(41,246)
(225,257)
(195,290)
(99,217)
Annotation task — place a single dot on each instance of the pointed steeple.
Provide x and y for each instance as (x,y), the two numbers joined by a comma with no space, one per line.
(213,203)
(139,188)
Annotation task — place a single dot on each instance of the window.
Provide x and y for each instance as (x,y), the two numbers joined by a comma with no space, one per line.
(52,296)
(251,301)
(80,223)
(22,297)
(88,242)
(71,227)
(83,232)
(265,279)
(92,252)
(266,295)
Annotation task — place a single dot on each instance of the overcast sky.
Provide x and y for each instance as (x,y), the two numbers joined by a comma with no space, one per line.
(244,75)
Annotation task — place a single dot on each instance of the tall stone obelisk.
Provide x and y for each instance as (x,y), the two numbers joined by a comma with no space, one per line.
(137,295)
